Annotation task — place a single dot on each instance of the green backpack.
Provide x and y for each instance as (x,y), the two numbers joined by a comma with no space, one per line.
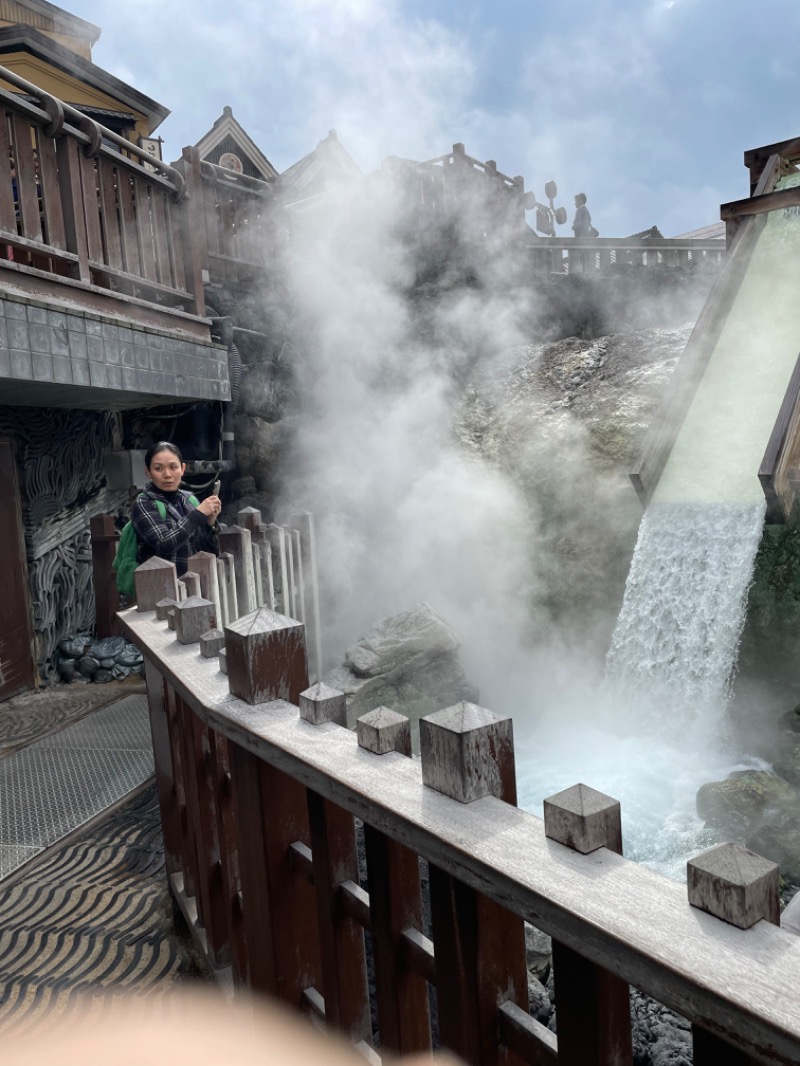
(127,557)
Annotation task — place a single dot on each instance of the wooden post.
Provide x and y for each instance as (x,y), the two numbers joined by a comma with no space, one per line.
(106,598)
(321,703)
(281,940)
(742,888)
(266,656)
(155,580)
(395,907)
(344,964)
(192,227)
(237,541)
(592,1005)
(194,617)
(165,777)
(384,730)
(468,753)
(228,839)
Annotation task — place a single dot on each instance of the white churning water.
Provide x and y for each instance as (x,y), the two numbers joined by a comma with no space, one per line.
(656,732)
(678,632)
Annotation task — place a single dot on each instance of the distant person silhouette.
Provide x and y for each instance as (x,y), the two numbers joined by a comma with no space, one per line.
(582,226)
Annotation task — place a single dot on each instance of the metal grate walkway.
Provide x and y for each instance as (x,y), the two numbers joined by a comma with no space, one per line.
(89,918)
(54,785)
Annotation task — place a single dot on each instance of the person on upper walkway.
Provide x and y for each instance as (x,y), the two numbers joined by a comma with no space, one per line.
(582,225)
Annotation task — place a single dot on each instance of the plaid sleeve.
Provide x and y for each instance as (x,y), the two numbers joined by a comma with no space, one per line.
(162,535)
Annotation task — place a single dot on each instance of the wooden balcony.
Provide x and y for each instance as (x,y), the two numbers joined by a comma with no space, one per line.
(101,273)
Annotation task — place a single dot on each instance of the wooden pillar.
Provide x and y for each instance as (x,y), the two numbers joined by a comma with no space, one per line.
(468,753)
(155,580)
(106,598)
(192,228)
(592,1005)
(335,861)
(742,888)
(281,938)
(204,564)
(266,657)
(237,541)
(344,963)
(395,906)
(165,778)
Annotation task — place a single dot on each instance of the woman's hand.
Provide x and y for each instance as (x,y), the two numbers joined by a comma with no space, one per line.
(210,507)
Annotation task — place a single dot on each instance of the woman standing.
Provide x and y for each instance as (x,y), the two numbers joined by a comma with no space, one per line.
(184,528)
(582,225)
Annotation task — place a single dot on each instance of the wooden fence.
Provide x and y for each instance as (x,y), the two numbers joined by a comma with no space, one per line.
(258,565)
(238,225)
(591,255)
(80,202)
(267,799)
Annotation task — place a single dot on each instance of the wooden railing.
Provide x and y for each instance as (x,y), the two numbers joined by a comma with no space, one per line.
(571,255)
(238,225)
(80,202)
(258,565)
(266,801)
(484,200)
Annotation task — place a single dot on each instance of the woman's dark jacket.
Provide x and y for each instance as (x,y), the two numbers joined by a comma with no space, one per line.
(183,531)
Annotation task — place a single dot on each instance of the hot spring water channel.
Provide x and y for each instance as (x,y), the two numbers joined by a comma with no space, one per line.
(656,729)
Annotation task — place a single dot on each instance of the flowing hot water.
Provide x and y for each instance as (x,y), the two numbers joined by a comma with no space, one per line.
(655,731)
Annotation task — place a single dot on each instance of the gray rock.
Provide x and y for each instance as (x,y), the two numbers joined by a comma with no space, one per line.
(539,952)
(415,636)
(743,798)
(408,662)
(787,765)
(779,840)
(539,1004)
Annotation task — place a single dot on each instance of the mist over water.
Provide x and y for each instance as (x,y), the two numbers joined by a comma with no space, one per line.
(406,513)
(657,729)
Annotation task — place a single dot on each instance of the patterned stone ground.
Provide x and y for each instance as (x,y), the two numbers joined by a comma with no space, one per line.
(32,715)
(92,920)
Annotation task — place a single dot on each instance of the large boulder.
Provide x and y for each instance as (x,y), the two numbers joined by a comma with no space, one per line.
(741,801)
(408,662)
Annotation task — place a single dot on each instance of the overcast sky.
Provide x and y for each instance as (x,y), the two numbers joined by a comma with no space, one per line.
(645,105)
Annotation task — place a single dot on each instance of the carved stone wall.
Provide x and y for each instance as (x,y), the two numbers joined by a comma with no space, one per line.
(60,461)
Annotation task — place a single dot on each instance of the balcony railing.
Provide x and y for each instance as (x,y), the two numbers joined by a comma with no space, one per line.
(82,204)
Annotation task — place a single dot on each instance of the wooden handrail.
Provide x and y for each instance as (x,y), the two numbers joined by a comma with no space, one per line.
(609,911)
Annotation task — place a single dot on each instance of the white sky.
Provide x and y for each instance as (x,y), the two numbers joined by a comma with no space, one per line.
(646,105)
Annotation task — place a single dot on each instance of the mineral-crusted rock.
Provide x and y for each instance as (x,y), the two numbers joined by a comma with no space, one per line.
(779,840)
(408,662)
(741,800)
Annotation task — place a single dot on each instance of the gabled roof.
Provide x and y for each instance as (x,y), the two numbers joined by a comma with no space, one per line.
(716,229)
(654,231)
(21,38)
(226,135)
(63,20)
(327,164)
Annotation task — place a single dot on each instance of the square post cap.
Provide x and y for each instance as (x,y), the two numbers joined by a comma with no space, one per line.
(384,730)
(468,752)
(583,819)
(322,703)
(154,580)
(734,884)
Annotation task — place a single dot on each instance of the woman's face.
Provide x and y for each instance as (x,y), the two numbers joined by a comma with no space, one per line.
(166,471)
